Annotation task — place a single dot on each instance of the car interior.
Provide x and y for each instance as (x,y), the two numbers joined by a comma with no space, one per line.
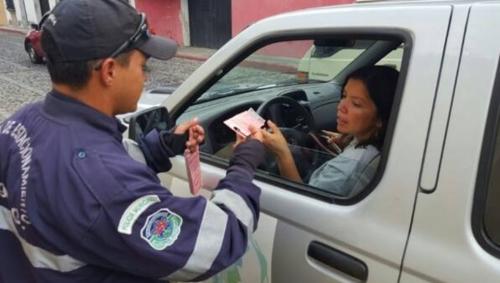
(279,82)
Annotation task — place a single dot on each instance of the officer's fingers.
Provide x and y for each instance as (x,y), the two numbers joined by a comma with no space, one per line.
(258,136)
(191,134)
(253,129)
(191,145)
(190,138)
(199,129)
(196,133)
(256,133)
(199,133)
(181,129)
(239,139)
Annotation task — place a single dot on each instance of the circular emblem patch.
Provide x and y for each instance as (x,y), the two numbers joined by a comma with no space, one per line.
(161,229)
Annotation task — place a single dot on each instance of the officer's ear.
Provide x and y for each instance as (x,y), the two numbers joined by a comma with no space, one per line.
(107,71)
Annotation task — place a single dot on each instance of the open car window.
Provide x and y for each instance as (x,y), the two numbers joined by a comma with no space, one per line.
(298,85)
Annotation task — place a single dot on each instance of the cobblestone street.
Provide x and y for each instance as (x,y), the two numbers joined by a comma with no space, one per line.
(22,82)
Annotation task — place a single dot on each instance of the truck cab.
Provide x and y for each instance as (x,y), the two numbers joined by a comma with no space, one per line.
(431,211)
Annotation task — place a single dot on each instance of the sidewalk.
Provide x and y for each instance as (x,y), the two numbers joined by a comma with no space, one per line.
(194,53)
(184,52)
(14,29)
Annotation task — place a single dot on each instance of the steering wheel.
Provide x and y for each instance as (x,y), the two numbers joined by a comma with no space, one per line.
(303,121)
(297,135)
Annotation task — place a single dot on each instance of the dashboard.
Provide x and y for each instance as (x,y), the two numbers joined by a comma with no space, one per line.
(320,99)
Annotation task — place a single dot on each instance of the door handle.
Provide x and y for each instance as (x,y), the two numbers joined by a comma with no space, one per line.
(338,260)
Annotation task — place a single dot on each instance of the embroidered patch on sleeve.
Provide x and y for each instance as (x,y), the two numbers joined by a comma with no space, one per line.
(161,229)
(133,211)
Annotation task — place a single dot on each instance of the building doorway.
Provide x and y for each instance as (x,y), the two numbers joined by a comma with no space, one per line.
(44,6)
(209,22)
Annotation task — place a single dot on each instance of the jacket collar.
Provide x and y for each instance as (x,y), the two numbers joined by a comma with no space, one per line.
(67,109)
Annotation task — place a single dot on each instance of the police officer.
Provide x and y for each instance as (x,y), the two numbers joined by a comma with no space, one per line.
(74,206)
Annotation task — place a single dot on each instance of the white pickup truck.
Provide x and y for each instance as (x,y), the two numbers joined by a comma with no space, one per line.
(432,211)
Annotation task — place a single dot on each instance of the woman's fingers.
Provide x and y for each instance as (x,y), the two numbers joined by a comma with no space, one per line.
(272,126)
(239,139)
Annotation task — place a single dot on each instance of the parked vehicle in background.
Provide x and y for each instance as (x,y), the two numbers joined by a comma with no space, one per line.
(33,42)
(324,60)
(432,211)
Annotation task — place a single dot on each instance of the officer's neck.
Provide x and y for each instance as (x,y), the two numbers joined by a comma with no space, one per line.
(89,95)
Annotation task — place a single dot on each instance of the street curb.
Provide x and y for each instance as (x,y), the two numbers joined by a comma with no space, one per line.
(13,30)
(182,55)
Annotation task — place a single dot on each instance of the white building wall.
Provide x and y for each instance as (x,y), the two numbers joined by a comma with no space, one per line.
(22,18)
(52,3)
(7,15)
(11,17)
(17,6)
(184,17)
(33,10)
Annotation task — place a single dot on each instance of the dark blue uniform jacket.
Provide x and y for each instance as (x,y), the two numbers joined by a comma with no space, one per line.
(75,207)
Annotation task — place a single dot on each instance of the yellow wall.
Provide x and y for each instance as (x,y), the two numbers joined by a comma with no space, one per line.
(3,17)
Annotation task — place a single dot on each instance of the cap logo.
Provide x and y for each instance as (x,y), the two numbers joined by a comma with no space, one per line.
(52,19)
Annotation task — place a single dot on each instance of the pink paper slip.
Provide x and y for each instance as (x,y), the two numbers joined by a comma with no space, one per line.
(240,123)
(193,170)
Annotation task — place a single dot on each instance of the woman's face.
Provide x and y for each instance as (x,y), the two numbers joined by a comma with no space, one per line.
(356,112)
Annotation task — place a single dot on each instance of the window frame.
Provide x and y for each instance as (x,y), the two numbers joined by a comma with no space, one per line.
(485,172)
(380,34)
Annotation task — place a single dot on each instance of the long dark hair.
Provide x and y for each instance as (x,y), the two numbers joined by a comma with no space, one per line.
(381,82)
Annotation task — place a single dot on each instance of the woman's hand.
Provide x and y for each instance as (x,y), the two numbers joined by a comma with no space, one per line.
(336,141)
(331,137)
(274,140)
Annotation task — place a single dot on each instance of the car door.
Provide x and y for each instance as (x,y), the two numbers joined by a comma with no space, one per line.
(455,230)
(310,236)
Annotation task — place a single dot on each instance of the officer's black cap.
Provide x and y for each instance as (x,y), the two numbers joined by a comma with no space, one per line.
(93,29)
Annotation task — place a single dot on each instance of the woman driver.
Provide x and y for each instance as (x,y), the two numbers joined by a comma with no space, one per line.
(362,116)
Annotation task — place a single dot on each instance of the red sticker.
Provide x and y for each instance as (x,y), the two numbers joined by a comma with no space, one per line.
(193,170)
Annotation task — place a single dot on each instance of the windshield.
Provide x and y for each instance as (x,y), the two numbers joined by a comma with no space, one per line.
(271,66)
(288,63)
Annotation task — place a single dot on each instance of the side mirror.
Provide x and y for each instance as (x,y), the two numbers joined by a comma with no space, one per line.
(154,97)
(146,120)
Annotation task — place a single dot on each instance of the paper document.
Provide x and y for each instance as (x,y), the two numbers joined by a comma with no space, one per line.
(240,123)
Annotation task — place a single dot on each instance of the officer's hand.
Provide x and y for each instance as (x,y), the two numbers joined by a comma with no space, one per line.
(196,133)
(254,134)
